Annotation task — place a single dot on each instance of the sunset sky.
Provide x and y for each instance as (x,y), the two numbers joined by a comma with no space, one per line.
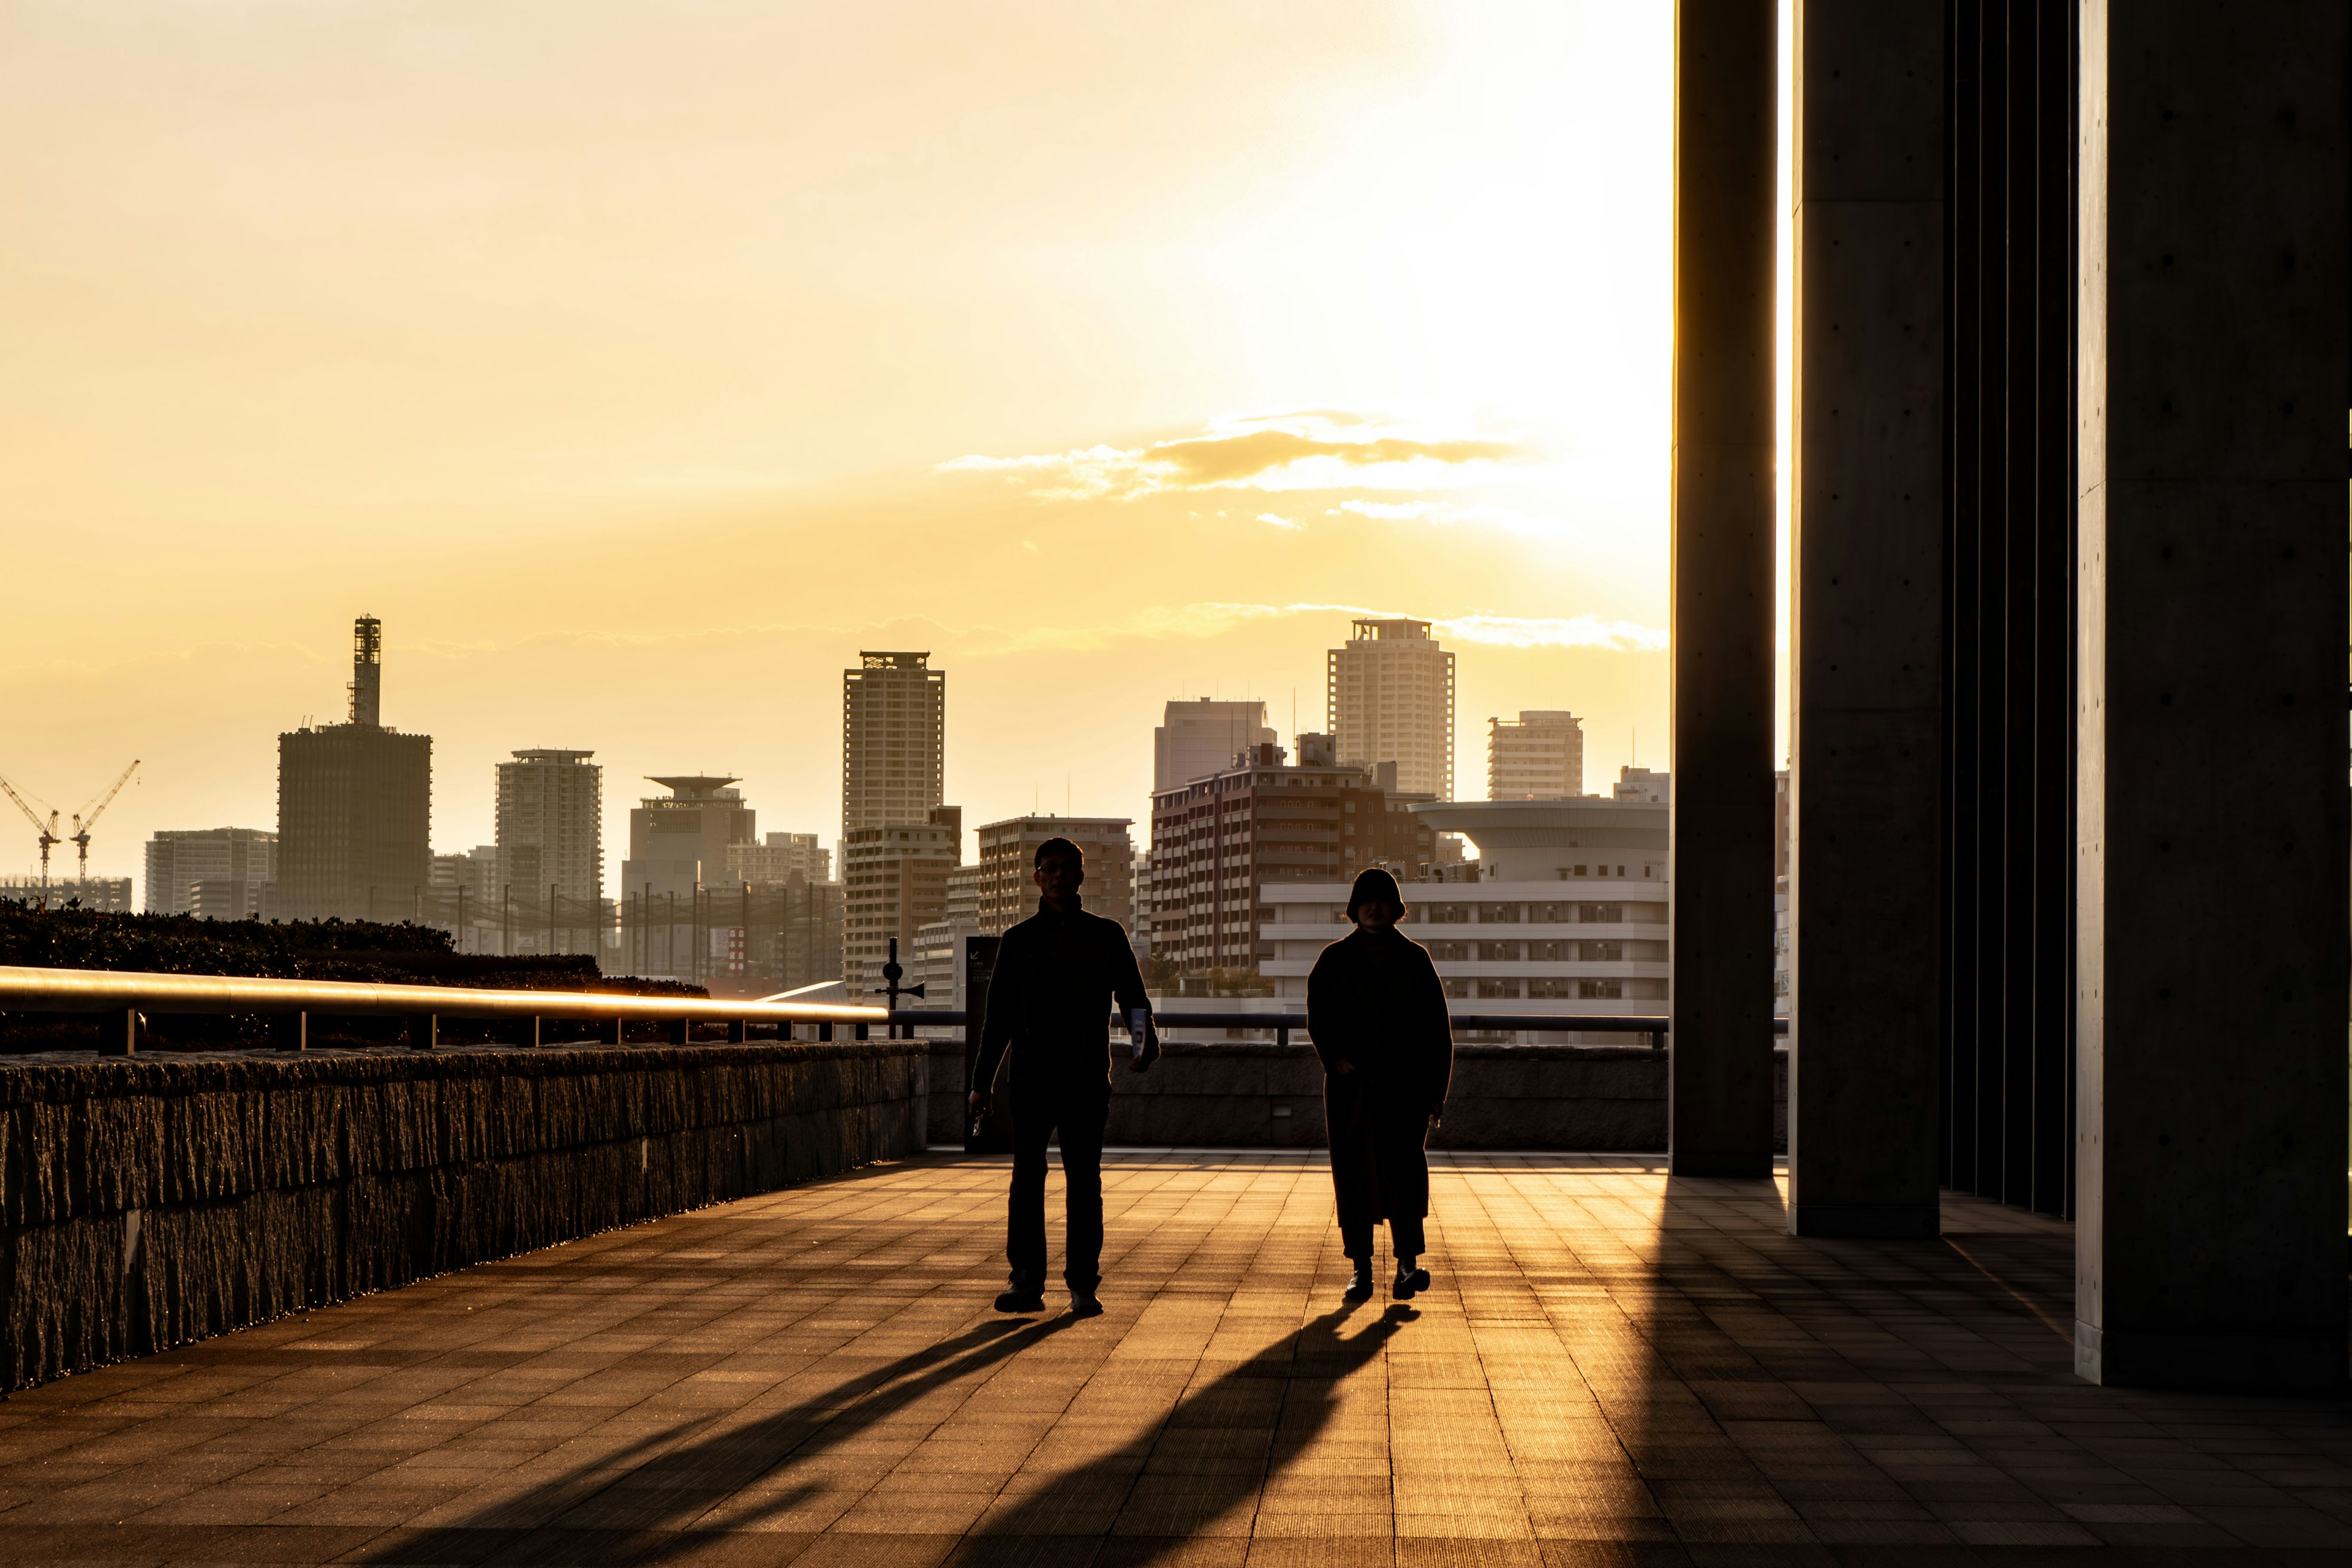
(640,363)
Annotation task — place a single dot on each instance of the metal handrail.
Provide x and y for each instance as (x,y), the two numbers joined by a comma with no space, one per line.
(1654,1025)
(105,990)
(134,993)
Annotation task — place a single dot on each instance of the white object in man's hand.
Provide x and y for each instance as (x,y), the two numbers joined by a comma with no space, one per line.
(1137,1022)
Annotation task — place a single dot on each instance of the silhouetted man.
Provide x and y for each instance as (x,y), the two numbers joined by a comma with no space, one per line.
(1058,974)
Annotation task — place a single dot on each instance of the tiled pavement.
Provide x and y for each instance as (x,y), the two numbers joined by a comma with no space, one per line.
(1613,1369)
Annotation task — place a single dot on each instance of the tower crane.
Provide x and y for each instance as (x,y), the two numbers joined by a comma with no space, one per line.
(48,830)
(86,818)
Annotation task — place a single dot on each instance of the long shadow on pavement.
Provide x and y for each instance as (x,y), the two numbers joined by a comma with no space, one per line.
(647,1497)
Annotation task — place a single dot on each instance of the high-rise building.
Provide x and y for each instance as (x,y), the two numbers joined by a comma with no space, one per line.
(551,826)
(894,882)
(1202,737)
(1539,755)
(180,858)
(678,842)
(1218,843)
(1008,858)
(894,715)
(354,806)
(1389,691)
(782,856)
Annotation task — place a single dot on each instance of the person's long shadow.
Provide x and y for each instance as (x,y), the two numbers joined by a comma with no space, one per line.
(643,1499)
(671,1478)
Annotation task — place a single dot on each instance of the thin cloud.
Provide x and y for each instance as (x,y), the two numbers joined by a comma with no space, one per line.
(1318,450)
(1509,519)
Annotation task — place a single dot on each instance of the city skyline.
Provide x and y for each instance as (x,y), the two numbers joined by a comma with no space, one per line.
(452,801)
(641,486)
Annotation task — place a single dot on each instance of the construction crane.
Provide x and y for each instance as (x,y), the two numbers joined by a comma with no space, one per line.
(86,818)
(48,830)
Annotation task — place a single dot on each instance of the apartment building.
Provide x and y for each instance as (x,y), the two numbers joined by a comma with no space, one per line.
(894,883)
(1219,843)
(1567,914)
(1539,755)
(1390,696)
(894,716)
(778,860)
(551,826)
(241,860)
(1008,857)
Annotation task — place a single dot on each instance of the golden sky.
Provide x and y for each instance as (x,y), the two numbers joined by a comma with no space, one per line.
(640,363)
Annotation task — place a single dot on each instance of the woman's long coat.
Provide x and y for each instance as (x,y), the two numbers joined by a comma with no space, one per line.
(1375,1001)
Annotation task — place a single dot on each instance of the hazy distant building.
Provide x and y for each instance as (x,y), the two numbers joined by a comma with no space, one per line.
(809,939)
(678,842)
(938,964)
(1539,755)
(894,714)
(894,881)
(180,858)
(1203,736)
(781,857)
(1008,855)
(354,806)
(1642,784)
(110,895)
(551,826)
(1390,694)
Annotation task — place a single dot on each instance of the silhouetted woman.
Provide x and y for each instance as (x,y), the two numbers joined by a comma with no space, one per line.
(1377,1014)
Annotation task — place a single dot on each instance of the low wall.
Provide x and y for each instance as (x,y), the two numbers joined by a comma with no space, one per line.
(1236,1095)
(151,1201)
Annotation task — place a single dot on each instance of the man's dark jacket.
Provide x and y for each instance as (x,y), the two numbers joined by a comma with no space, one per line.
(1050,1000)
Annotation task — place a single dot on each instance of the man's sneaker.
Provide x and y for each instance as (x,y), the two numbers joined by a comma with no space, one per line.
(1084,1304)
(1022,1299)
(1410,1280)
(1360,1284)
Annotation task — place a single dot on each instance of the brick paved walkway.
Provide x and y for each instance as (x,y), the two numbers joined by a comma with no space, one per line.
(1613,1369)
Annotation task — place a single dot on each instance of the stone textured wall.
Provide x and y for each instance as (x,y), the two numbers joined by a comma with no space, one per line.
(148,1202)
(1248,1096)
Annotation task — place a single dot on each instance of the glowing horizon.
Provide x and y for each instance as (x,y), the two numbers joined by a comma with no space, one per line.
(639,369)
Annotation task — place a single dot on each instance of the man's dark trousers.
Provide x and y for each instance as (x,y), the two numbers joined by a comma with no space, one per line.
(1078,1113)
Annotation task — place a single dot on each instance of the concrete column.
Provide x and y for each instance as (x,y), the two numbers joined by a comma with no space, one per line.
(1725,147)
(1962,693)
(1867,545)
(2211,835)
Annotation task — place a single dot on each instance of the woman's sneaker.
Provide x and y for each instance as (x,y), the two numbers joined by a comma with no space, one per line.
(1410,1280)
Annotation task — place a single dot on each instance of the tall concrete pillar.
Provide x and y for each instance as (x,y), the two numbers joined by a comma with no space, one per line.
(2210,912)
(1725,136)
(1867,579)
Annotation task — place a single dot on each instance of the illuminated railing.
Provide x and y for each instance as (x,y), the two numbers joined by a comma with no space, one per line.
(127,997)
